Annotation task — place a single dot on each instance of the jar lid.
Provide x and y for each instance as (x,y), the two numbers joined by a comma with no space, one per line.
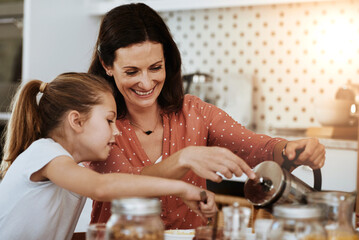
(297,211)
(330,198)
(269,185)
(136,206)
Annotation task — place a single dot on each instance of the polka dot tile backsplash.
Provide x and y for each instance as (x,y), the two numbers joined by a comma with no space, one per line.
(271,62)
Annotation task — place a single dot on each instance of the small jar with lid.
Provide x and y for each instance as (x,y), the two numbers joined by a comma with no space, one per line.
(338,211)
(135,219)
(297,222)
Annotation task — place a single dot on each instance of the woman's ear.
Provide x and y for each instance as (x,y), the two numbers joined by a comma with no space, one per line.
(76,121)
(107,69)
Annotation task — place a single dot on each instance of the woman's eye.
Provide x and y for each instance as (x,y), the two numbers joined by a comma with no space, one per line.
(156,68)
(131,73)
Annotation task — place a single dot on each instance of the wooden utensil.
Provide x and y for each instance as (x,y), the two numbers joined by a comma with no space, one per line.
(204,197)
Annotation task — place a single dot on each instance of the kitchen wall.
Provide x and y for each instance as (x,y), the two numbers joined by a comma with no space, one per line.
(291,54)
(270,62)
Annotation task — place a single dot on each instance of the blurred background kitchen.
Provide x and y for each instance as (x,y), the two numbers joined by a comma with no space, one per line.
(269,63)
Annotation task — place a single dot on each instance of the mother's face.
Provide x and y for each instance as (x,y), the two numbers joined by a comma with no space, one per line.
(139,73)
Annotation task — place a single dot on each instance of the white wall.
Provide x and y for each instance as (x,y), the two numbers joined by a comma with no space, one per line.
(338,174)
(294,54)
(58,37)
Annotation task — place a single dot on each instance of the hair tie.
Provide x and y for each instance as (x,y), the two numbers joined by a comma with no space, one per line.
(43,87)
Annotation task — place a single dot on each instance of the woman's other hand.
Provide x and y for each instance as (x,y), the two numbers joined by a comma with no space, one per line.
(313,154)
(207,161)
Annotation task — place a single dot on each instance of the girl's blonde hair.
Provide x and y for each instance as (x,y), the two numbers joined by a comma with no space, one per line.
(31,120)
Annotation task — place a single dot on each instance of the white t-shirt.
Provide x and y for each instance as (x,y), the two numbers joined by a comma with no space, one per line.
(37,210)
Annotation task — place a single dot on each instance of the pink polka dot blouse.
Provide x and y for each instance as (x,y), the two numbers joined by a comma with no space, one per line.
(198,124)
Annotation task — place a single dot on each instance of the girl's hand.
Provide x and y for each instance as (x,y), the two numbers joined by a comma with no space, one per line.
(312,156)
(209,208)
(191,197)
(207,161)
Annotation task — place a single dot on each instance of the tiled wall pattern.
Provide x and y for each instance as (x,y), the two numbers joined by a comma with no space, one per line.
(288,55)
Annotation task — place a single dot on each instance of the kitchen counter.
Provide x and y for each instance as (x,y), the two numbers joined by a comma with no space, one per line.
(329,143)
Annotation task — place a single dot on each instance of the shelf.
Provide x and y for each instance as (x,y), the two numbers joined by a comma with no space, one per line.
(11,9)
(4,116)
(99,8)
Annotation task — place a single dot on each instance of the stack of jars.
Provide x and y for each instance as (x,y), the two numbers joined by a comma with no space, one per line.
(327,216)
(338,210)
(294,222)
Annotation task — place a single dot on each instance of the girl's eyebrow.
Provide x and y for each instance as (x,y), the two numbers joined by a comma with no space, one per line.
(112,113)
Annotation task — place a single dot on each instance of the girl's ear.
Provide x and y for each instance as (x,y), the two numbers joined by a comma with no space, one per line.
(107,69)
(75,120)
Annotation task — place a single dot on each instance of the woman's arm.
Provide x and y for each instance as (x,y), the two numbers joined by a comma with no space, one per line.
(207,161)
(204,161)
(64,172)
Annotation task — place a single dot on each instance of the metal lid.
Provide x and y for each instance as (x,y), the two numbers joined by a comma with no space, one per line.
(265,192)
(296,211)
(136,206)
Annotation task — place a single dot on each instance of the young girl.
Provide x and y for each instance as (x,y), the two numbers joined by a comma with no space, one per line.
(43,186)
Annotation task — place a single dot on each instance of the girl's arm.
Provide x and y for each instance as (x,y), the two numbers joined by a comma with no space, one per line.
(64,172)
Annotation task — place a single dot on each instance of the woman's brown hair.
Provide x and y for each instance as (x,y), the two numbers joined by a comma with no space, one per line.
(32,119)
(130,24)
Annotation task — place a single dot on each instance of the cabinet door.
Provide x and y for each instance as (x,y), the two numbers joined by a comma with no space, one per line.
(339,171)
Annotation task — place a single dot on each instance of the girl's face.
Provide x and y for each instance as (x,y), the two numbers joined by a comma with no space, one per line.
(139,73)
(99,130)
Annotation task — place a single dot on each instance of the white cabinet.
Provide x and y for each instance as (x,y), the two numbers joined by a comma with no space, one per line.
(339,172)
(96,7)
(59,36)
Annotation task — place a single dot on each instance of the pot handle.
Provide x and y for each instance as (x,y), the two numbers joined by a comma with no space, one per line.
(288,165)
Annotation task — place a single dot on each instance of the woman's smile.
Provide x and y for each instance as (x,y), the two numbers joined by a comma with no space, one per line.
(143,93)
(139,72)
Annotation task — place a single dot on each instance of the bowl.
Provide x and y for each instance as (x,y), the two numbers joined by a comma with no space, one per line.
(333,112)
(179,234)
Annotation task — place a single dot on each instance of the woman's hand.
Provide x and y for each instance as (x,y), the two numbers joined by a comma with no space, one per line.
(313,154)
(207,161)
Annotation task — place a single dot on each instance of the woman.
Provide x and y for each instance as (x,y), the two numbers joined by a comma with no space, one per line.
(135,52)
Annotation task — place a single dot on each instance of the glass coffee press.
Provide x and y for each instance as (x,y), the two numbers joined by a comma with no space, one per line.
(275,184)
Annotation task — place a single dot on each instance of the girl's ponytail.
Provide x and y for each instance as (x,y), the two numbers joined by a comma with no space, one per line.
(23,127)
(32,119)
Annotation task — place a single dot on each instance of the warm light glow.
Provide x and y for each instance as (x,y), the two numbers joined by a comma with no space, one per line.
(338,40)
(353,108)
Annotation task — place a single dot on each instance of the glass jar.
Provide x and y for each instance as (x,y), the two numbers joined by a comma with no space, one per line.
(296,222)
(338,209)
(261,228)
(135,219)
(235,222)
